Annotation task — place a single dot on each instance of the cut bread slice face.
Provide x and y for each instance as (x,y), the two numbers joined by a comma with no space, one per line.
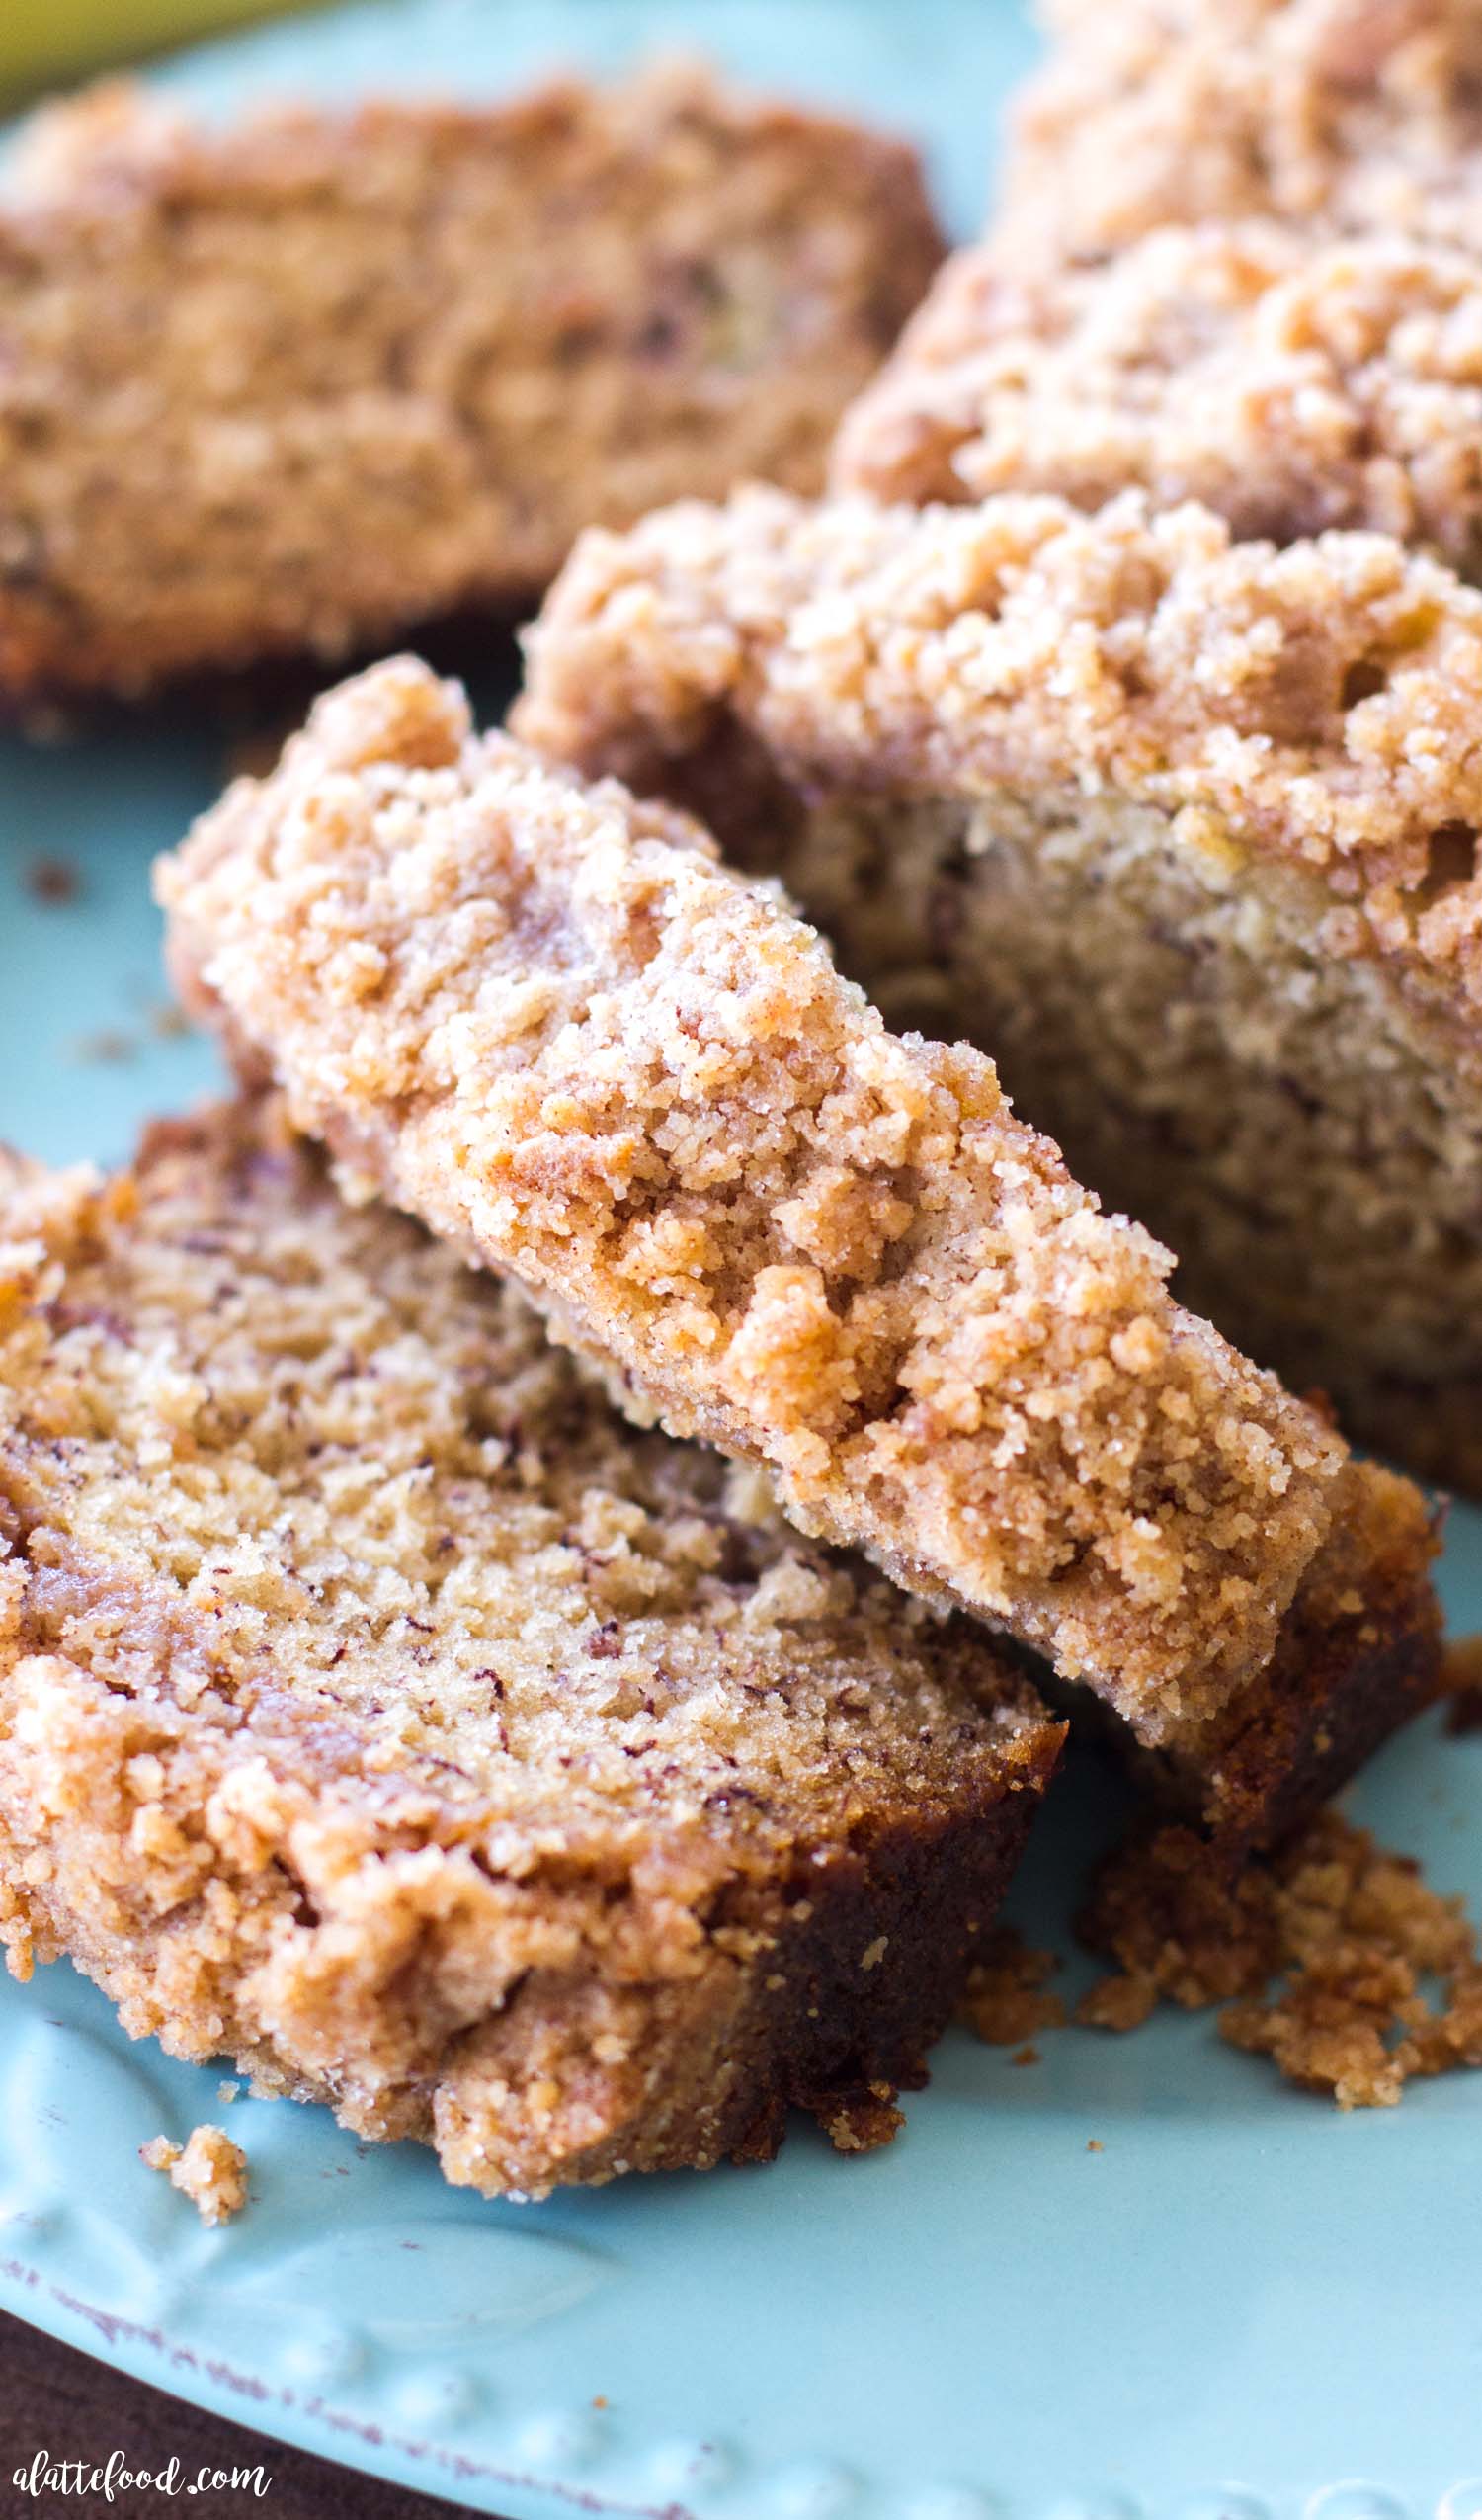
(285,387)
(381,1711)
(1293,383)
(545,1019)
(1184,831)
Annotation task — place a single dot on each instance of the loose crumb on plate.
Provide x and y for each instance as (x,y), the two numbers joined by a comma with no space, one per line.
(109,1047)
(860,2121)
(52,881)
(208,2167)
(1006,1999)
(1318,1954)
(1462,1684)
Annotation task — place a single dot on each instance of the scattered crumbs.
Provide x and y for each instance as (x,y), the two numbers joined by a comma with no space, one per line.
(105,1047)
(226,2092)
(1462,1682)
(208,2167)
(1317,1953)
(1117,2003)
(860,2120)
(1024,2056)
(167,1021)
(1006,1999)
(53,881)
(601,2402)
(1093,2146)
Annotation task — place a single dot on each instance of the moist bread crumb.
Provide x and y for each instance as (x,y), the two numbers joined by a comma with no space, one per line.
(380,1711)
(289,387)
(544,1019)
(208,2167)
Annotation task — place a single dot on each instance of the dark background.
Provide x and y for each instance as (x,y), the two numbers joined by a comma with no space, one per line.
(66,2403)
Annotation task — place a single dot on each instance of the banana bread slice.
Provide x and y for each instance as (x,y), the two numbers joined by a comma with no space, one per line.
(1290,384)
(378,1709)
(1351,114)
(542,1017)
(290,386)
(1184,832)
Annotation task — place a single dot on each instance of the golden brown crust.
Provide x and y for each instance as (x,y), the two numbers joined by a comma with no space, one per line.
(289,386)
(1351,114)
(376,1709)
(1292,385)
(1316,706)
(542,1018)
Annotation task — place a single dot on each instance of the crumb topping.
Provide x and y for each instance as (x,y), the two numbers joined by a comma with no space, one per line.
(1316,705)
(208,2167)
(540,1016)
(1349,112)
(1292,385)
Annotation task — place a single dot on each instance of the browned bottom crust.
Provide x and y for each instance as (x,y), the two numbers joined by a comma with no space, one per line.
(1359,1656)
(713,2071)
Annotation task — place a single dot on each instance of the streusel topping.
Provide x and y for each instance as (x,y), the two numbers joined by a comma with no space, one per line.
(540,1015)
(1292,385)
(1318,705)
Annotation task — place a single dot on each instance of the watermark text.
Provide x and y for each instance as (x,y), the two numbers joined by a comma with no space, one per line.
(46,2474)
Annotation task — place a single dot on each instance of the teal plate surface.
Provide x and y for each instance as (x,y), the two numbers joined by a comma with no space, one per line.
(1244,2304)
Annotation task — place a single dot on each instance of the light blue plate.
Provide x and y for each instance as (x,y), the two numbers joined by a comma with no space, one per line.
(1244,2304)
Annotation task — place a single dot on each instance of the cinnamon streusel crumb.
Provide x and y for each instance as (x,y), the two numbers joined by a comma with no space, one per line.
(208,2167)
(1348,1931)
(1006,1999)
(1316,705)
(1341,114)
(1290,384)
